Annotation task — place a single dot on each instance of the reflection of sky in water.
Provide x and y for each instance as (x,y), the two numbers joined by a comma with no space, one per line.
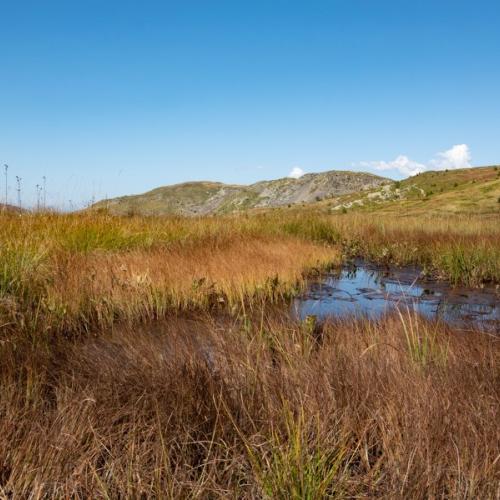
(366,292)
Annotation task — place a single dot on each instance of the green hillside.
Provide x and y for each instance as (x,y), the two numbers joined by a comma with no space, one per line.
(469,190)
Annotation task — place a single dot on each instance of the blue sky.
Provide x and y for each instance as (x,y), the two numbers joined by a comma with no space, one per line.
(109,98)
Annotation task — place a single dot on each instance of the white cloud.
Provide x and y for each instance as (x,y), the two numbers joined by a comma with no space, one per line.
(457,156)
(296,172)
(402,164)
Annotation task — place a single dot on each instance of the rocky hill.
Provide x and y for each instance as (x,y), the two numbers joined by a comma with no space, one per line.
(200,198)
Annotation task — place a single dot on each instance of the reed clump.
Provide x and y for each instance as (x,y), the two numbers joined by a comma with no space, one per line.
(81,273)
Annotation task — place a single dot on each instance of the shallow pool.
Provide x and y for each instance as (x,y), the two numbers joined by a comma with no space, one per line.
(369,291)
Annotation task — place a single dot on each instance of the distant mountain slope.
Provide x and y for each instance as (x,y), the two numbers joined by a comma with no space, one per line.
(200,198)
(10,209)
(467,190)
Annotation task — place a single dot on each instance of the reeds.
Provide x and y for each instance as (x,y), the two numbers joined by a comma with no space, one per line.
(74,273)
(205,407)
(191,380)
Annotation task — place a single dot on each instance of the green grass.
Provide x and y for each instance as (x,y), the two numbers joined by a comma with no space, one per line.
(296,464)
(423,345)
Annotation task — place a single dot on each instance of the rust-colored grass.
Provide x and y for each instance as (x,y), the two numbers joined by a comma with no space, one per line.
(101,288)
(83,273)
(254,408)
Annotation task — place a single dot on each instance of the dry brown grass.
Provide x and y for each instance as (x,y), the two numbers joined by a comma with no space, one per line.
(98,289)
(72,274)
(254,408)
(224,395)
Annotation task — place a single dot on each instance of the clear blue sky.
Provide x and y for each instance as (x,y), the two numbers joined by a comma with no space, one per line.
(115,97)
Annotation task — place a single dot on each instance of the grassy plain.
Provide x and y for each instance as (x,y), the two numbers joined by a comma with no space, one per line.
(154,357)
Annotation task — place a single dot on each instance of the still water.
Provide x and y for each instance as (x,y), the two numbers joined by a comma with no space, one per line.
(368,291)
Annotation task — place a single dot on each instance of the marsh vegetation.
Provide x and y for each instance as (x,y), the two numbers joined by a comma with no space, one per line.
(156,357)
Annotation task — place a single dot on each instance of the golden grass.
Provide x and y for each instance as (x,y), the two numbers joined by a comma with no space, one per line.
(147,284)
(84,272)
(69,273)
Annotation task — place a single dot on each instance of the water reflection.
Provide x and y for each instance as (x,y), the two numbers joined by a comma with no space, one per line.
(363,290)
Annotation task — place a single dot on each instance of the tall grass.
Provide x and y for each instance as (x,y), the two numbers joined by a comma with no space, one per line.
(207,407)
(192,382)
(298,465)
(83,273)
(422,342)
(86,271)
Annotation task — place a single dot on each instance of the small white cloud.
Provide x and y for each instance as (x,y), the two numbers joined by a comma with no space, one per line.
(296,172)
(458,156)
(402,164)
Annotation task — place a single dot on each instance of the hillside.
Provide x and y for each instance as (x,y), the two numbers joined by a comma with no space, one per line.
(12,209)
(468,190)
(201,198)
